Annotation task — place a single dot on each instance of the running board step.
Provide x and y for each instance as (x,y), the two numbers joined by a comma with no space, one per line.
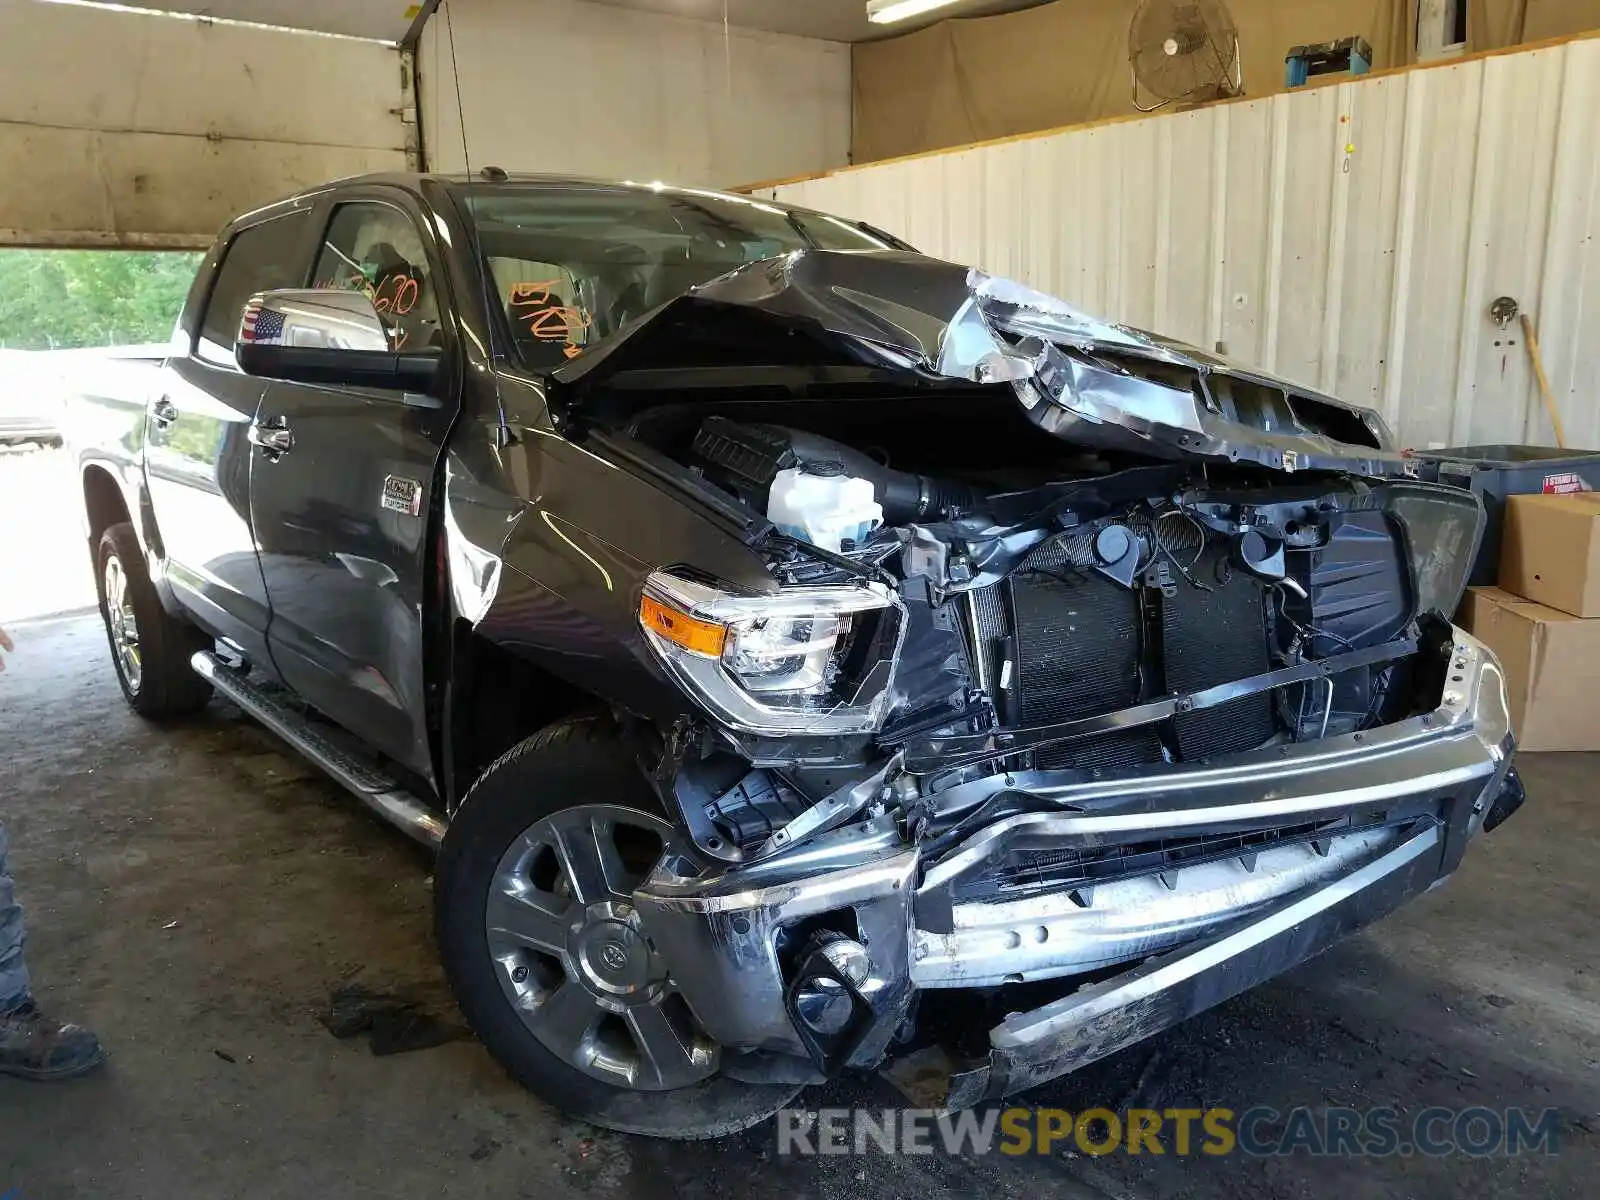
(376,790)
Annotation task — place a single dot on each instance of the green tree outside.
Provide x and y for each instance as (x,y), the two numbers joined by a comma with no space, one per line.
(65,299)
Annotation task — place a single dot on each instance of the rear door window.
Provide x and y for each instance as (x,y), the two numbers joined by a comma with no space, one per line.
(259,258)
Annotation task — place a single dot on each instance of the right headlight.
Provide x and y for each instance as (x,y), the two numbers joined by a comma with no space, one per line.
(811,660)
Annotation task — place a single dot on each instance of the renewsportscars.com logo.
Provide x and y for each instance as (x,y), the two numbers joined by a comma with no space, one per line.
(1256,1132)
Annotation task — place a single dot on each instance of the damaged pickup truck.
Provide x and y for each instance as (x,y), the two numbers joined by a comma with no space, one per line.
(808,657)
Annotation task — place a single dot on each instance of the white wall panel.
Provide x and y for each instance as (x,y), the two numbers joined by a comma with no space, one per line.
(1570,290)
(1367,272)
(588,89)
(125,128)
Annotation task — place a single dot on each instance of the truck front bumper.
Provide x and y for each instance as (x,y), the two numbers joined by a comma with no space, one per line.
(1330,835)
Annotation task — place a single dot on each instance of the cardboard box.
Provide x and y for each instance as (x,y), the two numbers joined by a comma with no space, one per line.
(1552,665)
(1551,551)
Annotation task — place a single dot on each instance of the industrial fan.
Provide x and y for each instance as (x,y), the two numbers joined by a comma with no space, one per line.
(1184,52)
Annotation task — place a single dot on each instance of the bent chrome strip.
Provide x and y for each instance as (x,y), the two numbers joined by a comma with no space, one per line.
(1054,1020)
(998,940)
(1324,793)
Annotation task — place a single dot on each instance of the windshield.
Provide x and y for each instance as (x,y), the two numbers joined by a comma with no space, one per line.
(573,263)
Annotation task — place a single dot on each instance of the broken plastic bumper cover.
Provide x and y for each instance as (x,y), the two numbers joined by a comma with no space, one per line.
(1367,820)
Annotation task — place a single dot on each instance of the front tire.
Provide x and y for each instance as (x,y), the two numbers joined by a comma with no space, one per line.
(544,952)
(149,648)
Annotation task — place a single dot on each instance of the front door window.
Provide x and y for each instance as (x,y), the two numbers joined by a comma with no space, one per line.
(374,248)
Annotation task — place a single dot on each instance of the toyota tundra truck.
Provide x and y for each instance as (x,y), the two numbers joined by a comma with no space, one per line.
(806,657)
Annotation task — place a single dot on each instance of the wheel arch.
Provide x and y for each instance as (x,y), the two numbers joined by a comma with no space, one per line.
(104,504)
(109,497)
(496,697)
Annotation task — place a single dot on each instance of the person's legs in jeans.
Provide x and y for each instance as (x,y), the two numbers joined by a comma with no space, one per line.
(31,1045)
(13,971)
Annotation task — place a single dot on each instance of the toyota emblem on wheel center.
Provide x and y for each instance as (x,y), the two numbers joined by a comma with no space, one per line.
(614,955)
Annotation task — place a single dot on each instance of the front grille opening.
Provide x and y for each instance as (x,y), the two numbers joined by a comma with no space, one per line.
(1060,641)
(1217,636)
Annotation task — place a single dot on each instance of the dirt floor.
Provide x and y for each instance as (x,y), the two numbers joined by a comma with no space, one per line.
(197,894)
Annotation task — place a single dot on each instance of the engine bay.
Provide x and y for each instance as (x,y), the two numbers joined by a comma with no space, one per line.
(1042,591)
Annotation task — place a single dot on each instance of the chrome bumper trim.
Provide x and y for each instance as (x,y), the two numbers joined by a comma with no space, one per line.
(1029,1048)
(1050,935)
(721,932)
(720,937)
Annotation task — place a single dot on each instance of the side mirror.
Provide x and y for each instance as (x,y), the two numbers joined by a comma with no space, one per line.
(308,335)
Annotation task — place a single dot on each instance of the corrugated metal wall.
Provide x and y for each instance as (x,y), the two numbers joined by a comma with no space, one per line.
(1349,236)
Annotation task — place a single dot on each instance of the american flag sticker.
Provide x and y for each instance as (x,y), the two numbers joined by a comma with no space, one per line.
(261,326)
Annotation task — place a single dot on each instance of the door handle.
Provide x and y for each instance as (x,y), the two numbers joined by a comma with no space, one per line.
(273,438)
(164,411)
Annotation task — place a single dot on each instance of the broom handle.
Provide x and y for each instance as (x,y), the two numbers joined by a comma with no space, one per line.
(1544,383)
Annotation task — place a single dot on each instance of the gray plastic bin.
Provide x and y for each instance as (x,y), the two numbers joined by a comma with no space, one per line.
(1495,472)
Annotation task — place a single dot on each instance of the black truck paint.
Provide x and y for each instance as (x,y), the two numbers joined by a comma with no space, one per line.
(442,571)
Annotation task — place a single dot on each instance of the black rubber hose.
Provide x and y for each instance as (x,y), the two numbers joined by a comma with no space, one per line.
(904,496)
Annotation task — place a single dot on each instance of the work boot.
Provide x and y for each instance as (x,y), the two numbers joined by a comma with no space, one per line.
(34,1047)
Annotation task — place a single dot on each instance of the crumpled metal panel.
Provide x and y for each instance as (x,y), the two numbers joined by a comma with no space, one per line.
(478,521)
(1053,355)
(1080,378)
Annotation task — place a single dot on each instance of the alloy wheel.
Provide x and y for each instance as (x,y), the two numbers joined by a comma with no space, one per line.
(123,627)
(571,956)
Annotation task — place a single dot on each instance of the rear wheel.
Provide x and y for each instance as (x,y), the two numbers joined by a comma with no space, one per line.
(149,648)
(545,952)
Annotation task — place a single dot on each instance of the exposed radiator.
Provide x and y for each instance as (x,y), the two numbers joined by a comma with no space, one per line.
(1078,641)
(1078,648)
(1212,637)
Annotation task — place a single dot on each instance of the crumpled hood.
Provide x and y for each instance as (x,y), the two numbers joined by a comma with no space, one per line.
(1088,381)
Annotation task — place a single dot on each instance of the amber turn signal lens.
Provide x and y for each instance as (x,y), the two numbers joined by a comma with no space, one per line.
(701,637)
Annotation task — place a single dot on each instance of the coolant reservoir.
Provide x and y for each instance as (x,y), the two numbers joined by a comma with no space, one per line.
(825,510)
